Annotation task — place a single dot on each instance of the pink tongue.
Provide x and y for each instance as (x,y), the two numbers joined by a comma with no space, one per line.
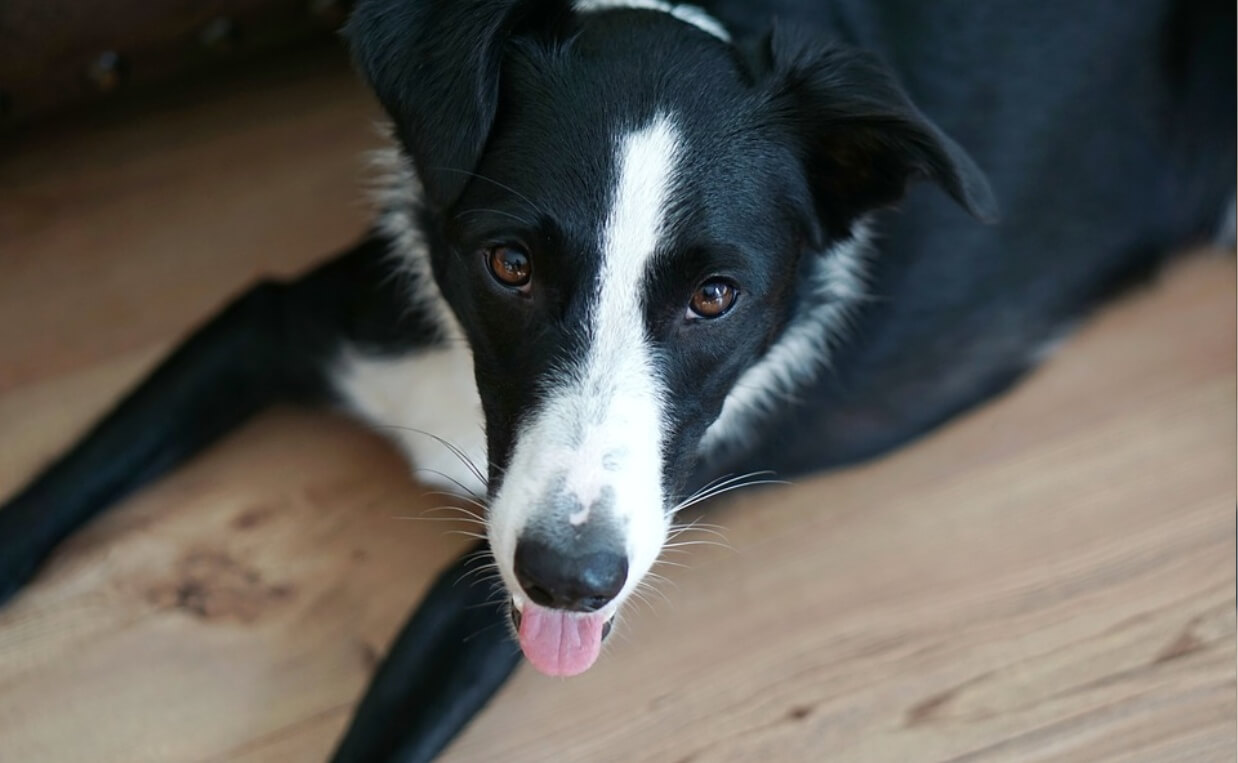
(560,643)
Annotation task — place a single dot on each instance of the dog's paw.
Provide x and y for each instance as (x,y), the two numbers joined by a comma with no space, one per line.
(16,570)
(20,554)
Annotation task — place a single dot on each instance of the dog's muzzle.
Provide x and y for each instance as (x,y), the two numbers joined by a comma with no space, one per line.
(569,576)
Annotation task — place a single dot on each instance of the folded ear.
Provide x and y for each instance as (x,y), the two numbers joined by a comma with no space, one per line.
(861,139)
(435,66)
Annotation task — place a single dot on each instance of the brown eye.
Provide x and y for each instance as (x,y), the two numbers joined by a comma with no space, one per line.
(510,266)
(712,299)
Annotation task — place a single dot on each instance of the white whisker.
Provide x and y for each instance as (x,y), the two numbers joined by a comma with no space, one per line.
(451,447)
(719,491)
(722,482)
(683,543)
(466,498)
(448,477)
(464,514)
(466,533)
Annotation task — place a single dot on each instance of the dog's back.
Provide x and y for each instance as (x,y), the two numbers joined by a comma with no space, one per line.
(1107,131)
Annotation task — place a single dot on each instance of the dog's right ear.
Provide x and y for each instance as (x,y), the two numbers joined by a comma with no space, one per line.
(435,66)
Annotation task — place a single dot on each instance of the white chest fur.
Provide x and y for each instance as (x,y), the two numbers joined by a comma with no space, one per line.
(422,401)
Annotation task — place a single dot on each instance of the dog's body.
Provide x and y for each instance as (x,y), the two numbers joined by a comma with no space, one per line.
(621,243)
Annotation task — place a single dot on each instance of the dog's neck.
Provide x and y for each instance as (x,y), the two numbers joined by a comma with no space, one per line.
(689,14)
(835,287)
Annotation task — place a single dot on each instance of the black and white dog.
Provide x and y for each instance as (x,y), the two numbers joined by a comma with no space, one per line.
(625,247)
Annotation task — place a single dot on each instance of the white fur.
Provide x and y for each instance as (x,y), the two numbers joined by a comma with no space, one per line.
(415,398)
(689,14)
(603,427)
(397,195)
(428,393)
(803,350)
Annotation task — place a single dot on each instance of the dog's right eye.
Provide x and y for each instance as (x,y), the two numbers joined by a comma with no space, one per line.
(712,299)
(510,266)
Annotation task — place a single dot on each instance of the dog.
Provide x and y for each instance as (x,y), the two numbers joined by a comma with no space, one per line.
(623,248)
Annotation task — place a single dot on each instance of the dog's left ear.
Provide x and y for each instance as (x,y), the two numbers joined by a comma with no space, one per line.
(861,139)
(435,66)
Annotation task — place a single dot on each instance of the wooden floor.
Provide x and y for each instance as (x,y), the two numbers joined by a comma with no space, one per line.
(1050,578)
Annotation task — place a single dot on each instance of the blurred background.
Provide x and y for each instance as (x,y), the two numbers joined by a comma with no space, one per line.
(1049,577)
(56,55)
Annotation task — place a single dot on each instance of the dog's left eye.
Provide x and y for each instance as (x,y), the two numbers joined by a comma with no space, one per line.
(712,299)
(510,266)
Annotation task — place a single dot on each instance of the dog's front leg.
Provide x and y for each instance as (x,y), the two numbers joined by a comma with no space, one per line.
(218,378)
(451,656)
(284,342)
(455,651)
(271,344)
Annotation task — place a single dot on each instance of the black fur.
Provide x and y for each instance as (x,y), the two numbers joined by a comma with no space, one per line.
(447,661)
(860,139)
(1105,129)
(435,66)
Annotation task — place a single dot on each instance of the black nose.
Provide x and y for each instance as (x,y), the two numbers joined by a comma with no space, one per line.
(583,583)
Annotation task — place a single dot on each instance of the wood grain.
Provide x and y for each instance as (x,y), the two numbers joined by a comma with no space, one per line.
(1048,578)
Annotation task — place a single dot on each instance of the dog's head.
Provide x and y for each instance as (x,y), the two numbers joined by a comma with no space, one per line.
(621,205)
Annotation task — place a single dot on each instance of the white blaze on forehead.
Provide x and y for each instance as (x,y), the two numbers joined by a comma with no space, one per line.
(599,431)
(629,241)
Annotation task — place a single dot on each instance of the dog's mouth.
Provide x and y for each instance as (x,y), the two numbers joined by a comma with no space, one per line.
(558,642)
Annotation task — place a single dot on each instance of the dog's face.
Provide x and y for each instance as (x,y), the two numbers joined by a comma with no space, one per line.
(619,206)
(616,264)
